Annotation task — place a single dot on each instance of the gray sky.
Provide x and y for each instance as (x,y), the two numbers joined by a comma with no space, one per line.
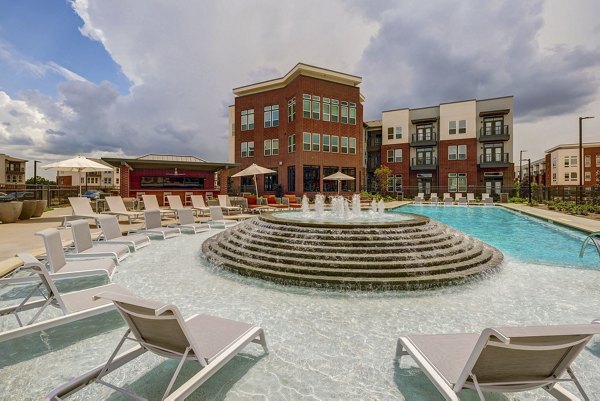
(181,59)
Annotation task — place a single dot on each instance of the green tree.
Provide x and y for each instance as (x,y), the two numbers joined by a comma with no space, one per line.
(382,173)
(40,181)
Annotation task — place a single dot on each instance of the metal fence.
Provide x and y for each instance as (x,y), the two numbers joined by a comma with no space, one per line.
(55,194)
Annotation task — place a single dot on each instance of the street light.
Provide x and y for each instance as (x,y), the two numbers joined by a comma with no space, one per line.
(521,166)
(581,158)
(35,162)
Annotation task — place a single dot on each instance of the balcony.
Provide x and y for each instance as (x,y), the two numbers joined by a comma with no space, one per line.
(423,163)
(16,171)
(426,139)
(494,134)
(494,160)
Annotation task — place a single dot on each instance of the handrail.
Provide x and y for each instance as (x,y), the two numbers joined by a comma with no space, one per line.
(593,237)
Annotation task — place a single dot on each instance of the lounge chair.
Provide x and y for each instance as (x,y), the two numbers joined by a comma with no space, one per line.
(117,208)
(85,247)
(488,202)
(111,232)
(470,198)
(462,201)
(73,305)
(176,204)
(226,206)
(506,359)
(153,226)
(418,200)
(457,196)
(420,195)
(199,205)
(82,209)
(217,219)
(187,223)
(151,203)
(484,196)
(433,199)
(161,329)
(448,199)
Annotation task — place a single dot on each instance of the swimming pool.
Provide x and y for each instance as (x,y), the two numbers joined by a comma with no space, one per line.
(324,345)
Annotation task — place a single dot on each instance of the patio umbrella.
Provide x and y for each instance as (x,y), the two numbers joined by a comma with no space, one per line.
(77,164)
(339,176)
(254,170)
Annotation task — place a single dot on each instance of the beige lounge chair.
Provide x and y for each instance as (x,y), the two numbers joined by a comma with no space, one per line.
(448,199)
(117,208)
(161,329)
(418,200)
(187,222)
(506,359)
(82,209)
(420,195)
(226,206)
(85,247)
(73,305)
(484,196)
(433,199)
(151,203)
(462,201)
(470,198)
(217,219)
(111,232)
(153,226)
(457,196)
(199,205)
(488,201)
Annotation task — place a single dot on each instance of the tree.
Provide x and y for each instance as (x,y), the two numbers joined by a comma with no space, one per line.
(382,173)
(40,181)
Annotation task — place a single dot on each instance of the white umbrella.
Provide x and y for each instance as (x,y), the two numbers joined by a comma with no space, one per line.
(254,170)
(77,164)
(339,176)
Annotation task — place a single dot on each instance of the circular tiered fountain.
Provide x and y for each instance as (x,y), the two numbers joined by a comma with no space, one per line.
(351,249)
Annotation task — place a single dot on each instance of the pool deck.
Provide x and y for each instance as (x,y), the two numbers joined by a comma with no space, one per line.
(19,237)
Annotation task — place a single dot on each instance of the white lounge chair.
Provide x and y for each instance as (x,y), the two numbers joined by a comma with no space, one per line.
(117,208)
(151,203)
(187,223)
(484,196)
(457,196)
(433,199)
(420,195)
(448,199)
(418,200)
(111,232)
(176,204)
(506,359)
(488,201)
(470,197)
(161,329)
(462,201)
(73,305)
(217,219)
(226,206)
(199,205)
(85,247)
(82,209)
(153,226)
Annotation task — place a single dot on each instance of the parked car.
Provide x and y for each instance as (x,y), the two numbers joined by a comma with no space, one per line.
(94,194)
(16,196)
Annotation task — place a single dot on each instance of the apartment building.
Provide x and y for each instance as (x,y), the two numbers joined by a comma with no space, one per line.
(106,180)
(563,165)
(12,170)
(305,125)
(462,146)
(538,171)
(372,155)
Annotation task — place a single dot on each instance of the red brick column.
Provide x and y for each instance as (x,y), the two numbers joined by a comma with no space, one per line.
(124,187)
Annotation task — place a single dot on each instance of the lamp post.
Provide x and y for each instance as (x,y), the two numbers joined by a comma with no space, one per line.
(580,191)
(529,178)
(35,162)
(520,170)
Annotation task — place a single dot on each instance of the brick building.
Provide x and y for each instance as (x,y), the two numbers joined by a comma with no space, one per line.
(563,165)
(463,146)
(304,125)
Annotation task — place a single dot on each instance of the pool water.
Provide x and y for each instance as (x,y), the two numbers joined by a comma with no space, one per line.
(324,345)
(525,238)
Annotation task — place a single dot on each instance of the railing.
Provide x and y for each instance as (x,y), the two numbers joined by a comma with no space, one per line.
(494,158)
(495,131)
(423,161)
(15,170)
(423,137)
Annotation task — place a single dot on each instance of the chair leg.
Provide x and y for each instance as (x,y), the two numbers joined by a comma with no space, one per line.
(561,394)
(170,386)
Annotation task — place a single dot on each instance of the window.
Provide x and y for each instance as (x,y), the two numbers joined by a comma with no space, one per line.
(588,176)
(316,108)
(247,149)
(394,156)
(344,147)
(462,152)
(335,110)
(352,117)
(352,146)
(349,185)
(573,176)
(394,183)
(291,109)
(597,160)
(292,143)
(554,177)
(344,113)
(270,180)
(306,141)
(567,176)
(326,109)
(306,105)
(462,126)
(588,161)
(566,161)
(391,133)
(398,132)
(457,182)
(311,179)
(271,116)
(326,139)
(247,120)
(335,142)
(452,153)
(457,152)
(271,147)
(291,178)
(330,185)
(316,142)
(267,147)
(452,127)
(573,161)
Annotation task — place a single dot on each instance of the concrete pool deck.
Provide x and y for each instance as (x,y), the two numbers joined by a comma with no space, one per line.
(19,237)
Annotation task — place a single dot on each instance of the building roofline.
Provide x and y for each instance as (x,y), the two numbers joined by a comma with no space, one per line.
(456,101)
(573,146)
(297,70)
(388,111)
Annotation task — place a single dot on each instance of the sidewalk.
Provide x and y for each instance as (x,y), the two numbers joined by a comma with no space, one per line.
(577,222)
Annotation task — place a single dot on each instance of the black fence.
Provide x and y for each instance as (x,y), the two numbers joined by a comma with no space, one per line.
(55,195)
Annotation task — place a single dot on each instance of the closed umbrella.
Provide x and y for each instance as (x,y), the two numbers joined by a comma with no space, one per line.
(339,177)
(254,170)
(77,164)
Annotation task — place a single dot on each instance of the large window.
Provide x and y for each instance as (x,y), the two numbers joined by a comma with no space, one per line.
(588,161)
(349,185)
(271,147)
(292,143)
(573,161)
(352,146)
(306,106)
(352,113)
(597,160)
(326,109)
(326,143)
(247,149)
(344,147)
(457,152)
(291,109)
(390,133)
(311,179)
(330,185)
(316,142)
(172,182)
(335,110)
(306,141)
(567,161)
(247,120)
(344,113)
(316,108)
(335,143)
(270,181)
(457,182)
(271,116)
(394,183)
(457,126)
(394,155)
(291,178)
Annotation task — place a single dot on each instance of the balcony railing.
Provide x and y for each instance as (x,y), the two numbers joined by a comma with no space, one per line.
(15,170)
(423,163)
(495,133)
(494,159)
(423,139)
